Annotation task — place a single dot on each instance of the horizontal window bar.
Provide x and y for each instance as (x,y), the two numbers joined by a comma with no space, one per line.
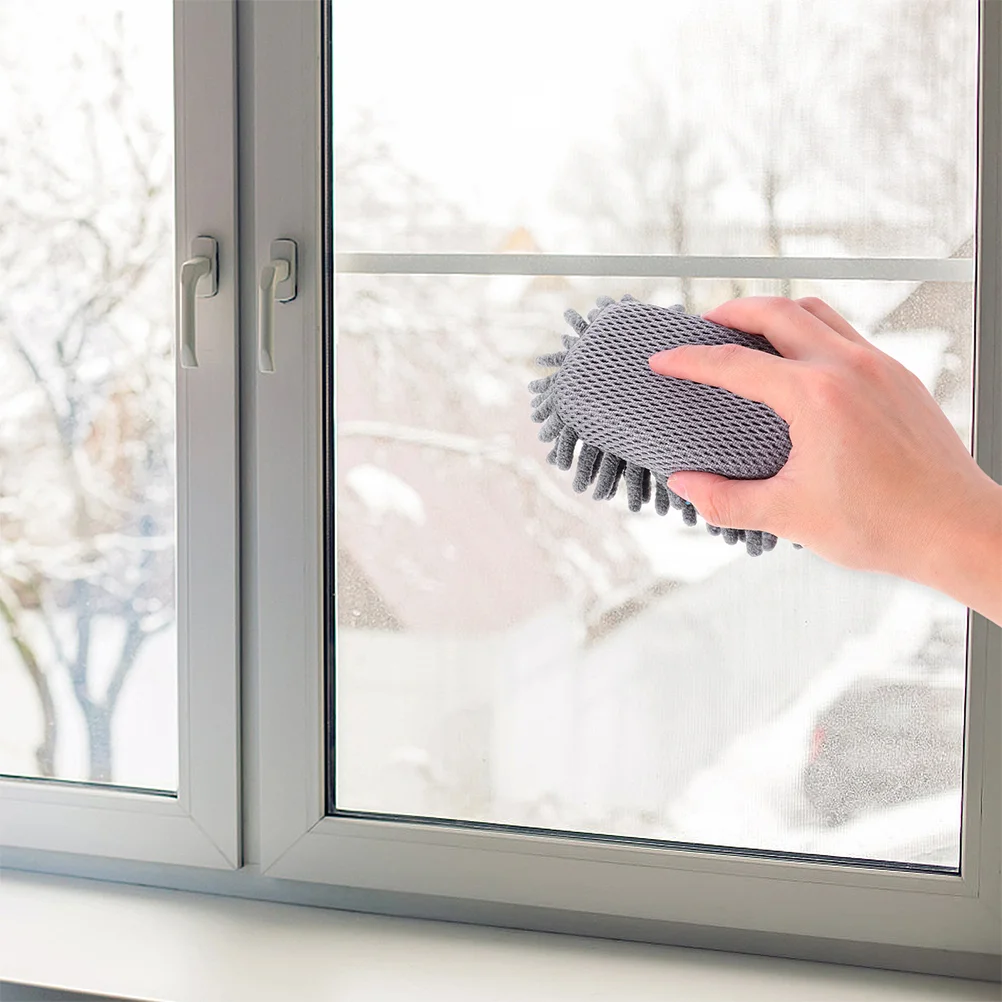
(905,269)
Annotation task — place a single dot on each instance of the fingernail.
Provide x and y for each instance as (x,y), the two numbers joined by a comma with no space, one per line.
(676,485)
(659,354)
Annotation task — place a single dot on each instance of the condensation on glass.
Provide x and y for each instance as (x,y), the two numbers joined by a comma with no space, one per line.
(510,652)
(88,669)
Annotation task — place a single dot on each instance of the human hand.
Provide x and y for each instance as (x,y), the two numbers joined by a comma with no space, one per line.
(877,477)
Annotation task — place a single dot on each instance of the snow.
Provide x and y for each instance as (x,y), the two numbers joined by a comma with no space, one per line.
(384,493)
(863,304)
(677,551)
(750,796)
(585,565)
(488,389)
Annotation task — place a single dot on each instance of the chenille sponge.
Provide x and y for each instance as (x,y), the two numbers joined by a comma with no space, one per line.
(622,422)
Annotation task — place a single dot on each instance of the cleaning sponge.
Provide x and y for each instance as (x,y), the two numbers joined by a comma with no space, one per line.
(635,425)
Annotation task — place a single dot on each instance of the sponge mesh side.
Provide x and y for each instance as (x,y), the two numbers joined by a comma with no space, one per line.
(605,391)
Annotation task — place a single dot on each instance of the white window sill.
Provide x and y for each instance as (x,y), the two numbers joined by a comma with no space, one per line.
(176,946)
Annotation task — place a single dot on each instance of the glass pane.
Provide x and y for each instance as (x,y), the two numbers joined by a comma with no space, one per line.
(760,127)
(510,652)
(88,679)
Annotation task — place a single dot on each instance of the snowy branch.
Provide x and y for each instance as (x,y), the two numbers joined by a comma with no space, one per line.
(497,450)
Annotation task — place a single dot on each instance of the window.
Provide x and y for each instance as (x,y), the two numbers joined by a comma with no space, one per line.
(454,686)
(541,700)
(117,466)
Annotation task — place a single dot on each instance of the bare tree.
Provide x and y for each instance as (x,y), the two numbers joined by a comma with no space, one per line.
(86,448)
(877,108)
(918,109)
(777,139)
(768,112)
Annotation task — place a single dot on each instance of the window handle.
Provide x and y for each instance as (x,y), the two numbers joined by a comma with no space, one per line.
(277,284)
(199,277)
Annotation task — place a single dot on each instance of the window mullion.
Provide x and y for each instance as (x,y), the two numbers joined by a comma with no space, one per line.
(660,265)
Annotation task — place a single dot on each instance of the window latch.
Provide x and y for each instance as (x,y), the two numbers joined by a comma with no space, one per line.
(199,278)
(277,284)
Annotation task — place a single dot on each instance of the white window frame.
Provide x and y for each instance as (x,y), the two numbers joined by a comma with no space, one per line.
(603,881)
(200,825)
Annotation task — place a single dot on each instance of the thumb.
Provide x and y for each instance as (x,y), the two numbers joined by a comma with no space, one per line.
(730,504)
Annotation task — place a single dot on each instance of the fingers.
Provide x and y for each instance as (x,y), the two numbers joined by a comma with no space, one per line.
(792,330)
(838,323)
(736,504)
(753,374)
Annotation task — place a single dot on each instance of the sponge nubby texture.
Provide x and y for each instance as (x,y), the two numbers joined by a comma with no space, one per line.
(638,426)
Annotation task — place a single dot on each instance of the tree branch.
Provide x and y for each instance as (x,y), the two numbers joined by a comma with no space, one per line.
(134,638)
(495,451)
(45,753)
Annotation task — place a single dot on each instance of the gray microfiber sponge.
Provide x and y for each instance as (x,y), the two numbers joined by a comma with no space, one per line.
(638,426)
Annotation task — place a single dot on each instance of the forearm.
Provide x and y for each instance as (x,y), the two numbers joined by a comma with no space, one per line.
(963,558)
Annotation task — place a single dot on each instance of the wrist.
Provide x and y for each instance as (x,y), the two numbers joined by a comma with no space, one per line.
(961,554)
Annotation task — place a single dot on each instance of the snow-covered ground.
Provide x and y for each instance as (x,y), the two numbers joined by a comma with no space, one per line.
(685,723)
(751,794)
(429,727)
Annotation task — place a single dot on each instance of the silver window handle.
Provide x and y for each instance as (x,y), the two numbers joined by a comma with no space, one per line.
(277,284)
(199,278)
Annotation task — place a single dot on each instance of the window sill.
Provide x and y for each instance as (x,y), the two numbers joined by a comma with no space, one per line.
(178,946)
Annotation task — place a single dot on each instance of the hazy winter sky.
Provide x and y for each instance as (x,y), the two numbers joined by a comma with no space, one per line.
(490,101)
(43,38)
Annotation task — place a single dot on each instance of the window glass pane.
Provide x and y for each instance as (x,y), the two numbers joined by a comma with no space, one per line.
(88,679)
(771,127)
(511,652)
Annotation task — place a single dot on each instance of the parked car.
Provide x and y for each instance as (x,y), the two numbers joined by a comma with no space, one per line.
(884,741)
